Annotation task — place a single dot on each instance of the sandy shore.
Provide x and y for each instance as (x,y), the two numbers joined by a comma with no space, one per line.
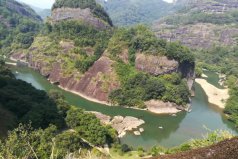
(215,95)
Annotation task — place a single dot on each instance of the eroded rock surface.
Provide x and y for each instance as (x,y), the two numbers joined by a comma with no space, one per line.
(84,15)
(155,65)
(120,123)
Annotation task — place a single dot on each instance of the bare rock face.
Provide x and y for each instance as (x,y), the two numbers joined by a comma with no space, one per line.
(155,65)
(120,123)
(96,83)
(199,35)
(84,15)
(205,34)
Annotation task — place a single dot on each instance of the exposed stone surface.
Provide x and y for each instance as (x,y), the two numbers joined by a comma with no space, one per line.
(201,35)
(96,83)
(155,65)
(105,119)
(84,15)
(160,107)
(227,149)
(121,124)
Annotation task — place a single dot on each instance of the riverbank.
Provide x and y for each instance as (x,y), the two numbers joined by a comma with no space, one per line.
(215,95)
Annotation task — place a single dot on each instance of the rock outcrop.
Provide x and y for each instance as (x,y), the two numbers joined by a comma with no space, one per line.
(206,31)
(84,15)
(120,123)
(160,107)
(155,65)
(96,83)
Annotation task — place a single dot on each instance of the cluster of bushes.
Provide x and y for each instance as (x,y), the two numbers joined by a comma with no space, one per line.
(56,128)
(142,87)
(96,9)
(17,30)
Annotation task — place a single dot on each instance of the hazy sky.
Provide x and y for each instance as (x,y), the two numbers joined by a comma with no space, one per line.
(48,3)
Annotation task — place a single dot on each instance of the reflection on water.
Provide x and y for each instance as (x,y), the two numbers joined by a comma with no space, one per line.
(176,129)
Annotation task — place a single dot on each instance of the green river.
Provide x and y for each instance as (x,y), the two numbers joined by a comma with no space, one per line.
(176,129)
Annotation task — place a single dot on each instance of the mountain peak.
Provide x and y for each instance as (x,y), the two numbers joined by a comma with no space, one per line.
(87,11)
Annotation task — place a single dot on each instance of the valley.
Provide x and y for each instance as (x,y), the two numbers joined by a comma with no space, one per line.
(118,79)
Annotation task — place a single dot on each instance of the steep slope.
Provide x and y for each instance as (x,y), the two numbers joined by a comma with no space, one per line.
(19,23)
(131,12)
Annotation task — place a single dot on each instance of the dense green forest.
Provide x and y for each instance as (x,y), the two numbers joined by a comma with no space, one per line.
(132,12)
(17,27)
(96,9)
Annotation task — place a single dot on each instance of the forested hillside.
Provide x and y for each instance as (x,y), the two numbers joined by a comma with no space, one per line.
(19,24)
(132,12)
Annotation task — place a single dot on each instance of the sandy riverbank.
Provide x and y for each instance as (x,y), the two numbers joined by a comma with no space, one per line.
(215,95)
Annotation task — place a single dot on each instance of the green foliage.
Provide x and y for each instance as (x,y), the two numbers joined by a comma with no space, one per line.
(96,8)
(142,87)
(84,36)
(232,103)
(18,26)
(27,103)
(141,39)
(89,127)
(132,12)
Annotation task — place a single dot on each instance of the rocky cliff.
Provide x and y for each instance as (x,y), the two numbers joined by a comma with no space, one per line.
(84,15)
(202,24)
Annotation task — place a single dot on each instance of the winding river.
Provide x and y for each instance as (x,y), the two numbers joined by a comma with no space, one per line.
(176,129)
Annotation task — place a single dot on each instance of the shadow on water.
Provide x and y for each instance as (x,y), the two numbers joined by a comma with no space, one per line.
(175,129)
